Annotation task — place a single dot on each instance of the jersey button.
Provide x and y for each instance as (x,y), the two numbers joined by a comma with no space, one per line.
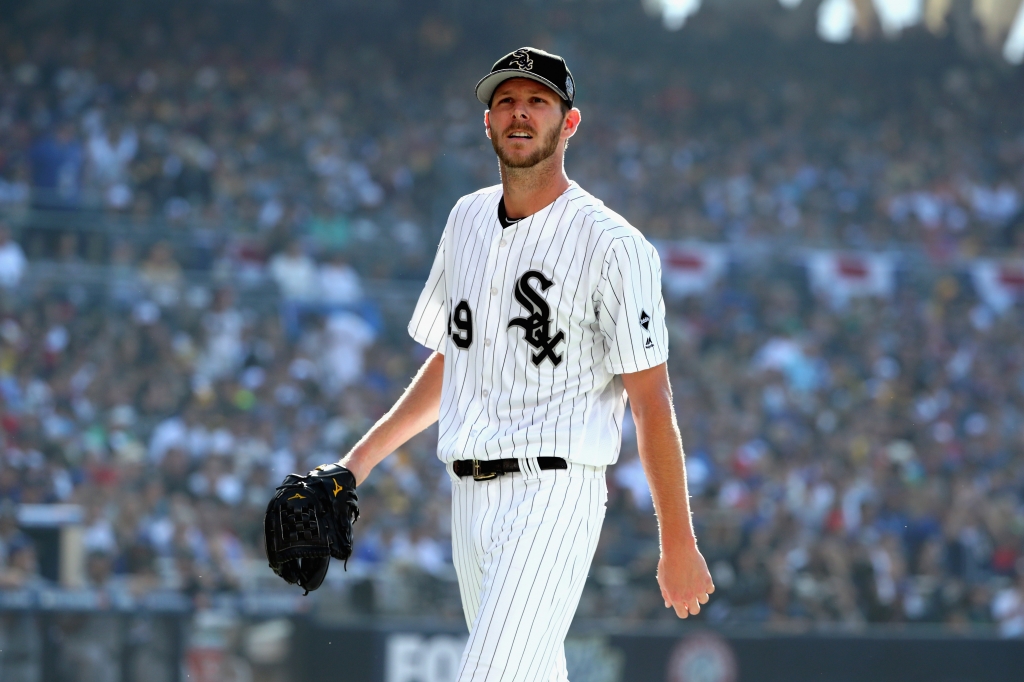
(494,291)
(503,243)
(483,394)
(487,342)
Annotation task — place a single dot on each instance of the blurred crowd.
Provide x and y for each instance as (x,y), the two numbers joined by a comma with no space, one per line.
(851,465)
(369,144)
(172,423)
(848,463)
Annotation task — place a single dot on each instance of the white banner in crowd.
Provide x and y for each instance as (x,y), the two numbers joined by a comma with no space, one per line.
(693,269)
(688,269)
(998,283)
(842,275)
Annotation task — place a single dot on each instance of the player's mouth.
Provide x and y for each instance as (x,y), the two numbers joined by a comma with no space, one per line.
(519,135)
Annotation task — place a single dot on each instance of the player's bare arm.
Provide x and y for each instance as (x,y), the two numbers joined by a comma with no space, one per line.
(412,413)
(682,572)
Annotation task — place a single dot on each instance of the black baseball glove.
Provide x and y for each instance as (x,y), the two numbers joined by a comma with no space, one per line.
(309,521)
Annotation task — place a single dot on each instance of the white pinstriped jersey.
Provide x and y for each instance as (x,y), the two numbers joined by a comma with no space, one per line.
(536,321)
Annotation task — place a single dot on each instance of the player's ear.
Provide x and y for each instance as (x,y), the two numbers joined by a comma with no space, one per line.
(572,122)
(487,123)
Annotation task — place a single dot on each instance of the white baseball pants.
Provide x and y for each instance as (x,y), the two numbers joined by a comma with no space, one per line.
(522,545)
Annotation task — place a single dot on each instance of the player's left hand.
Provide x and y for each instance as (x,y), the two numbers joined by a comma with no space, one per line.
(685,580)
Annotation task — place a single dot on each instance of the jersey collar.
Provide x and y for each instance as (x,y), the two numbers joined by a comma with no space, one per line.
(507,223)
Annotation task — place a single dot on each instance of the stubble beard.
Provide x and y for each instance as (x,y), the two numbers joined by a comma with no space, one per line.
(546,150)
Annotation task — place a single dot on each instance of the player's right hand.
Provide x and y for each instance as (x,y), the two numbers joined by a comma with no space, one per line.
(685,580)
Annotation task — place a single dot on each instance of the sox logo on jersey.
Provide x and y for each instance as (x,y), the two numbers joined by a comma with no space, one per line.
(536,321)
(538,325)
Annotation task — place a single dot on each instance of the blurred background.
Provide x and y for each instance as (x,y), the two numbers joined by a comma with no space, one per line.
(215,218)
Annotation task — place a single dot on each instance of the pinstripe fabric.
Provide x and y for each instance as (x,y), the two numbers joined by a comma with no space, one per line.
(536,322)
(604,296)
(522,547)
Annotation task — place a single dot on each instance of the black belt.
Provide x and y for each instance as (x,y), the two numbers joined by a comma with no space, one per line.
(482,470)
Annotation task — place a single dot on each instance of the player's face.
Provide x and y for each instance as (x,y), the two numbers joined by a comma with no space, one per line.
(525,122)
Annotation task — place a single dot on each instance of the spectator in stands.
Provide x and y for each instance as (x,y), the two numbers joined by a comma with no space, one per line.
(1008,608)
(21,569)
(57,162)
(99,569)
(339,283)
(161,275)
(12,258)
(223,348)
(124,284)
(10,535)
(295,274)
(22,650)
(110,151)
(344,340)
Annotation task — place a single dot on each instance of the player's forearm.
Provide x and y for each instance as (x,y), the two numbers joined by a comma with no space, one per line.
(412,413)
(661,453)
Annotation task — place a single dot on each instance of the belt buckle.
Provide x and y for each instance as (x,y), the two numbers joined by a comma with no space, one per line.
(477,476)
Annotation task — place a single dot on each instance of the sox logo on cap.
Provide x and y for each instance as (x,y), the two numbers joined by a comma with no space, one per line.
(522,60)
(529,62)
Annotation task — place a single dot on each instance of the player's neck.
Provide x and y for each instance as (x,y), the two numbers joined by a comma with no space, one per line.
(528,190)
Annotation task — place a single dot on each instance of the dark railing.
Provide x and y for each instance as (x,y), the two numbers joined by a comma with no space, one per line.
(54,635)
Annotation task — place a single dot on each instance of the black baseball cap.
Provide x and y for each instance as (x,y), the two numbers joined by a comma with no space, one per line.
(529,62)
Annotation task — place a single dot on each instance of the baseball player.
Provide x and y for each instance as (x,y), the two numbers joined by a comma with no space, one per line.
(544,311)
